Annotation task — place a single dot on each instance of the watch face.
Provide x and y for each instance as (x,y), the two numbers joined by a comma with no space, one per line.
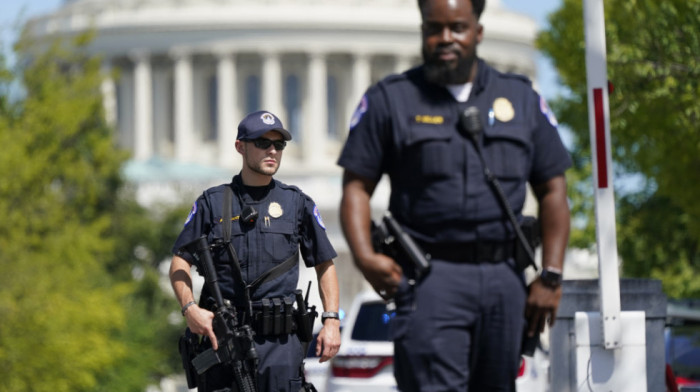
(551,278)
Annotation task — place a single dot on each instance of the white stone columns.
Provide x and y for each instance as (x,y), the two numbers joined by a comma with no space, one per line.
(226,110)
(361,79)
(272,85)
(109,94)
(316,125)
(143,107)
(361,75)
(184,138)
(162,113)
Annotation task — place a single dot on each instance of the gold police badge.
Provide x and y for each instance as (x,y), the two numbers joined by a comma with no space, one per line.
(503,109)
(275,210)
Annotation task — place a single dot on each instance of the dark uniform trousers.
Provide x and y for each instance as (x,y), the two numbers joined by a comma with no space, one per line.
(457,329)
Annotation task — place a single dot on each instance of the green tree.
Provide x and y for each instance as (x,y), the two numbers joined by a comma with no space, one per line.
(72,315)
(144,237)
(59,311)
(654,64)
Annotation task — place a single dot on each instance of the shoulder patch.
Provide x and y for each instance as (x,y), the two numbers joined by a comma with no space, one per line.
(317,215)
(193,211)
(548,112)
(359,111)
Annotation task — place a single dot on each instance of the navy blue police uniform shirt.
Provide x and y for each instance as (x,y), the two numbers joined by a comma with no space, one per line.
(288,221)
(407,127)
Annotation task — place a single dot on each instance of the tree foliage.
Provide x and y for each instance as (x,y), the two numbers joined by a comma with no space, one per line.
(72,316)
(653,53)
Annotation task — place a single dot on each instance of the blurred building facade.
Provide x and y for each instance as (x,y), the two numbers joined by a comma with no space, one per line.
(180,74)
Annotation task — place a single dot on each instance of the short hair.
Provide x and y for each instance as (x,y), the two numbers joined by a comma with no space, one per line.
(477,6)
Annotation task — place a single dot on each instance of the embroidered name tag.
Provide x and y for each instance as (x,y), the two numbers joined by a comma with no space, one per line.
(427,119)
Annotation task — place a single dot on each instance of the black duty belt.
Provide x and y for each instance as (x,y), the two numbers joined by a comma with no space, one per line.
(275,321)
(471,252)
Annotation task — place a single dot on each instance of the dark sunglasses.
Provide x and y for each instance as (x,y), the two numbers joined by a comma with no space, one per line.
(264,144)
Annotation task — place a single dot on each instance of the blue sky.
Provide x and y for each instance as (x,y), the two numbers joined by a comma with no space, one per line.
(538,10)
(13,10)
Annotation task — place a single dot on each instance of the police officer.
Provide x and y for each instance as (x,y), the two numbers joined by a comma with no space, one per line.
(459,327)
(270,222)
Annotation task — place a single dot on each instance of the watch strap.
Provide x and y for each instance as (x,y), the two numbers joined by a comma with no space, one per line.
(551,277)
(327,315)
(187,306)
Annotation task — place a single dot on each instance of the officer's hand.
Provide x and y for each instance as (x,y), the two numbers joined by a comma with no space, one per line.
(328,340)
(383,273)
(541,307)
(200,322)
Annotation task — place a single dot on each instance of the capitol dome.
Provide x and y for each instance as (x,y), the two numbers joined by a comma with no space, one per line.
(190,69)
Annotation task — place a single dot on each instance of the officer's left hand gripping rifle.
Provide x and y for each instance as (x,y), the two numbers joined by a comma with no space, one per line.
(235,339)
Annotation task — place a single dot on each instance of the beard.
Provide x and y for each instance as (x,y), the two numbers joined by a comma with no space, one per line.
(444,73)
(260,168)
(265,170)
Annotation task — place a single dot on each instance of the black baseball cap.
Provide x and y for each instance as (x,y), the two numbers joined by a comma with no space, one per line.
(259,123)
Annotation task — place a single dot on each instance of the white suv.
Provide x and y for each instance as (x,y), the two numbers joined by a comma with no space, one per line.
(365,360)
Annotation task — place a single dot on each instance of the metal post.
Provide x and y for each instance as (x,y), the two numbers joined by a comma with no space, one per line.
(599,124)
(610,350)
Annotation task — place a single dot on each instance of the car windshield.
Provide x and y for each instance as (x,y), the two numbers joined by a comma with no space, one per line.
(683,351)
(372,323)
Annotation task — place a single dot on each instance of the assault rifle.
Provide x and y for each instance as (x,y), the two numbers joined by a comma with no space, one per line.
(235,339)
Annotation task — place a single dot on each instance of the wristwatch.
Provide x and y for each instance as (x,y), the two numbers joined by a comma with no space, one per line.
(187,306)
(551,277)
(327,315)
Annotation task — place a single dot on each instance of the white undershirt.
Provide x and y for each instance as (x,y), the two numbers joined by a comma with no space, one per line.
(460,91)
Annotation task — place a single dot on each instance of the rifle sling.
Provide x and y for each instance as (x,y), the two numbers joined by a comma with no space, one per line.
(228,198)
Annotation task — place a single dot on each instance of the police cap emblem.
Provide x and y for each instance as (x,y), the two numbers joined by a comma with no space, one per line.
(267,118)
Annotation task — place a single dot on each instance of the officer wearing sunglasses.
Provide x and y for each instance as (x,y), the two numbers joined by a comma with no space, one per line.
(264,144)
(271,223)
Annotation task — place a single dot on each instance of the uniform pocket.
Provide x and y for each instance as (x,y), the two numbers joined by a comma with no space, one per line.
(428,150)
(217,235)
(404,300)
(507,151)
(295,384)
(278,237)
(399,327)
